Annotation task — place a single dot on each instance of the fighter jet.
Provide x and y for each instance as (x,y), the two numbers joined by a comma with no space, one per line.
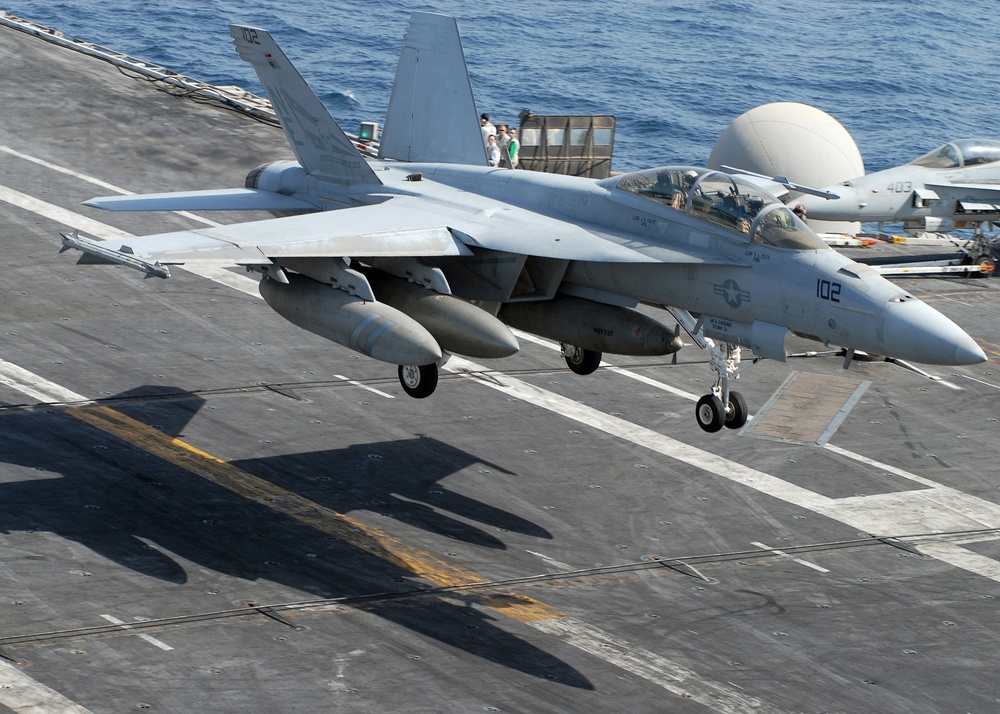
(955,186)
(427,251)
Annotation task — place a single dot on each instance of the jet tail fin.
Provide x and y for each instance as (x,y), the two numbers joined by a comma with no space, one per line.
(320,145)
(432,113)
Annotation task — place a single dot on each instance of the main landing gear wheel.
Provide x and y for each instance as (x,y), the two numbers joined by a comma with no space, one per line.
(736,414)
(984,262)
(580,360)
(418,381)
(710,413)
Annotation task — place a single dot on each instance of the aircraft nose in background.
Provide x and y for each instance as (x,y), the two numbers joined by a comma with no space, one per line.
(913,330)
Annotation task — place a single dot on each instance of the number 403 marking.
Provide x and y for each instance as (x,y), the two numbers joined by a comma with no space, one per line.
(828,290)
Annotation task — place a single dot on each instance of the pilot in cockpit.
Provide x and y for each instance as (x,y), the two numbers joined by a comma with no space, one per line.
(690,176)
(672,194)
(664,184)
(734,210)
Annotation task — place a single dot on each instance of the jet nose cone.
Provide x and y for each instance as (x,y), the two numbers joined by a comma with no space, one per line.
(969,353)
(915,331)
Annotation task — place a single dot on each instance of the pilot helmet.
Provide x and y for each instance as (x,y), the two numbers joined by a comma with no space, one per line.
(690,176)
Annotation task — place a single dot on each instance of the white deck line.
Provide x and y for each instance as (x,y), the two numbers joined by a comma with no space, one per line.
(25,695)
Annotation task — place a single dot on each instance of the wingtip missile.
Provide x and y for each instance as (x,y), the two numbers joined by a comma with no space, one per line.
(96,249)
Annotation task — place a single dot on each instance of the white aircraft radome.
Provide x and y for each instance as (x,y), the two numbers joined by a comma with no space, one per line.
(954,186)
(427,251)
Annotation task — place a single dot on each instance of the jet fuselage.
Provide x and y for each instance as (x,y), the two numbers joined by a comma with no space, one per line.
(814,292)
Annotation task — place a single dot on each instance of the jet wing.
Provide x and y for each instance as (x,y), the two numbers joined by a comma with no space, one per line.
(399,228)
(382,230)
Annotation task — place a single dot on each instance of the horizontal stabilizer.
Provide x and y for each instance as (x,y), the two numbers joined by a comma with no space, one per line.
(227,199)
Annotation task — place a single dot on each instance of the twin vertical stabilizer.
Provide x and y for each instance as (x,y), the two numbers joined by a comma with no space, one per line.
(431,117)
(432,113)
(320,145)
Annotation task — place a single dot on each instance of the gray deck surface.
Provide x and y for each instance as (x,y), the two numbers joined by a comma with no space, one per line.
(524,541)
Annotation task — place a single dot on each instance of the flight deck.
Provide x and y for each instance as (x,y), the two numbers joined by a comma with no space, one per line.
(206,508)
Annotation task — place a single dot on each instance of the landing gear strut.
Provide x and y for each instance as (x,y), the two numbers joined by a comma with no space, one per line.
(419,381)
(723,407)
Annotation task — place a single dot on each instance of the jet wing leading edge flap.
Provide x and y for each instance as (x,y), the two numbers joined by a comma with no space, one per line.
(432,112)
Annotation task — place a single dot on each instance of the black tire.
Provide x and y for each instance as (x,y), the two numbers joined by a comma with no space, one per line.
(710,413)
(736,415)
(419,381)
(582,361)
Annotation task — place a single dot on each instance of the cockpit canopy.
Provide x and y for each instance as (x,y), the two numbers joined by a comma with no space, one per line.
(956,154)
(731,202)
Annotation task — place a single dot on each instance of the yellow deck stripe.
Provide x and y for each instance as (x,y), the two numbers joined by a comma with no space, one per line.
(326,520)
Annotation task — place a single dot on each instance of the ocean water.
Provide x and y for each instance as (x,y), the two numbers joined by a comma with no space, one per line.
(903,76)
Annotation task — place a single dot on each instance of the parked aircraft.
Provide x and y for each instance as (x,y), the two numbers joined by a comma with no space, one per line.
(427,251)
(955,186)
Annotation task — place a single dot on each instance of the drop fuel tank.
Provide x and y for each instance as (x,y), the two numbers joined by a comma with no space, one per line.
(371,328)
(458,326)
(593,326)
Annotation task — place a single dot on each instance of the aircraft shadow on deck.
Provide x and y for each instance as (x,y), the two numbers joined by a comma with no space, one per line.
(157,518)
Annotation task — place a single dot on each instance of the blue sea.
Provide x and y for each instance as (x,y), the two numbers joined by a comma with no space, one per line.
(903,76)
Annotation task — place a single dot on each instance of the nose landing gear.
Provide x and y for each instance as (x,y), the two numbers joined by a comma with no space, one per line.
(723,407)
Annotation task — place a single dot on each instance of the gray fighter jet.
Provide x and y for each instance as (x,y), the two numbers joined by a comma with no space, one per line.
(426,250)
(955,186)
